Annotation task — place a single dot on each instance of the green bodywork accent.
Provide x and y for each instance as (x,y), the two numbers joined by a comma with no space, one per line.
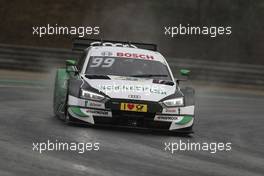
(60,90)
(70,62)
(71,66)
(77,111)
(61,87)
(185,72)
(186,119)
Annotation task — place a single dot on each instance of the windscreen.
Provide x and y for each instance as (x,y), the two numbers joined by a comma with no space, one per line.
(127,67)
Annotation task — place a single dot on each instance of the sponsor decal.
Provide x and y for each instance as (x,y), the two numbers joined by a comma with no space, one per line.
(167,118)
(171,111)
(133,107)
(93,104)
(126,78)
(99,112)
(132,88)
(135,55)
(186,110)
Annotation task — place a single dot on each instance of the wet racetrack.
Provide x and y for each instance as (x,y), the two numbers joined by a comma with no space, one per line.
(223,115)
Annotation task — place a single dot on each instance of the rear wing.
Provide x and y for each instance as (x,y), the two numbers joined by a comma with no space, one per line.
(81,44)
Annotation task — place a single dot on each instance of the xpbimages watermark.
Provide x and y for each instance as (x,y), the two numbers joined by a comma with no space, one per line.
(80,31)
(183,146)
(79,147)
(184,30)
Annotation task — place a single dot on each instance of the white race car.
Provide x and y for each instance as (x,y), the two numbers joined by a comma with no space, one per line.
(122,84)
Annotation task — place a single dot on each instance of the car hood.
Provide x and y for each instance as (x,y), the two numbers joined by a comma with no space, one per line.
(121,87)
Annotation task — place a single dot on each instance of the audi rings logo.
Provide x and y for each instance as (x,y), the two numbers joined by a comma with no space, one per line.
(107,53)
(134,96)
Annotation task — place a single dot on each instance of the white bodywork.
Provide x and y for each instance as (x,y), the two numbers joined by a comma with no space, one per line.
(127,53)
(121,87)
(129,88)
(144,87)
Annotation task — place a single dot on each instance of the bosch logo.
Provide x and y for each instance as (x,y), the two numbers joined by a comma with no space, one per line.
(135,55)
(134,96)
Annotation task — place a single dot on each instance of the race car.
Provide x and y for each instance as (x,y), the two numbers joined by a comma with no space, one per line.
(125,84)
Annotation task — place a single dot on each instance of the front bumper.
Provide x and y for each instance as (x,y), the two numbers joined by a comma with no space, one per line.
(109,114)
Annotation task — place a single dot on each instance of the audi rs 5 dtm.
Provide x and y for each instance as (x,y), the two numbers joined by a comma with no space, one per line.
(122,84)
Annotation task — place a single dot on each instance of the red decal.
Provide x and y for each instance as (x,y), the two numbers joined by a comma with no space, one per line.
(120,54)
(149,57)
(130,106)
(135,55)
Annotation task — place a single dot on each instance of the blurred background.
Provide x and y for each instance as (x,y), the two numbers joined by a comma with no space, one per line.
(142,21)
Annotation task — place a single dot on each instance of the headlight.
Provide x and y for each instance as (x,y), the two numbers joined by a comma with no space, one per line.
(91,96)
(174,102)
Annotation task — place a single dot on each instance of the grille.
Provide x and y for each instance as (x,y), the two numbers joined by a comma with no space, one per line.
(136,119)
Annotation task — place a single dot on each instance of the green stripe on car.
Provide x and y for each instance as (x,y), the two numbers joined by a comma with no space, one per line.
(77,111)
(185,119)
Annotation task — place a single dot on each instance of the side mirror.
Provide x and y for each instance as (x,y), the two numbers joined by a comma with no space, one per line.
(70,63)
(71,66)
(185,72)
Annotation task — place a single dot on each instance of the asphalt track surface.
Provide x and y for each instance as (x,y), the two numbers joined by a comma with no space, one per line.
(223,115)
